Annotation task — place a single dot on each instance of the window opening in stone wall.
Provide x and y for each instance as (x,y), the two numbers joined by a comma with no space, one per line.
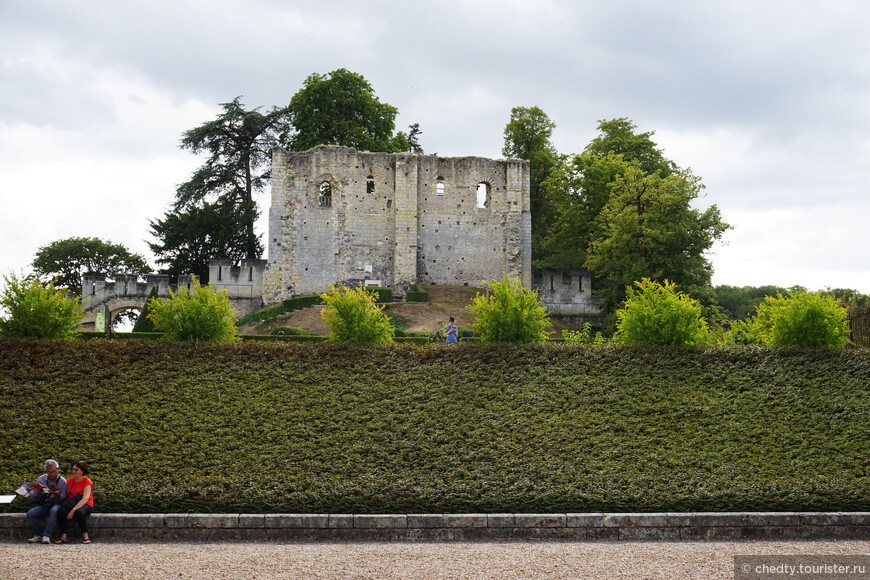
(551,283)
(483,195)
(439,187)
(325,194)
(370,184)
(581,283)
(251,274)
(220,272)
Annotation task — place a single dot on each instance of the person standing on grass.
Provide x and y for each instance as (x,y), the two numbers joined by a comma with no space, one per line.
(49,493)
(451,333)
(80,503)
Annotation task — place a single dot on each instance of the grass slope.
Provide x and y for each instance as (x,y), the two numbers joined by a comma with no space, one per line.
(266,427)
(444,301)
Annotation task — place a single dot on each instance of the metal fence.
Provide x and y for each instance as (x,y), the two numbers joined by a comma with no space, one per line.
(859,324)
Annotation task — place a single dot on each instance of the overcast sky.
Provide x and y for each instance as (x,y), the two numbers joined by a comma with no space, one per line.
(768,101)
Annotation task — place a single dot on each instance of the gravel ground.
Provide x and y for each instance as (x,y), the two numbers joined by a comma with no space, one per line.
(672,560)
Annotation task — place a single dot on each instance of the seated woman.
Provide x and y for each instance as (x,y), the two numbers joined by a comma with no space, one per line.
(80,502)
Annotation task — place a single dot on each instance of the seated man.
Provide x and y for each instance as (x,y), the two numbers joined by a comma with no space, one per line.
(49,492)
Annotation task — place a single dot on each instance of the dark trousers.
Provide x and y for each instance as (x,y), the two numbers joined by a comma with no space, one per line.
(80,516)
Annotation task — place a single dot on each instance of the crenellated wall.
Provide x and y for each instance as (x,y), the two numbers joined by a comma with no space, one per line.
(569,296)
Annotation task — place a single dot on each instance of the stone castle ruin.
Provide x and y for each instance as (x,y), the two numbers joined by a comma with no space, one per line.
(339,215)
(343,215)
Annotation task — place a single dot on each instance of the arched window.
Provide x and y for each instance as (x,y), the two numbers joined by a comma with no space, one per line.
(483,194)
(325,194)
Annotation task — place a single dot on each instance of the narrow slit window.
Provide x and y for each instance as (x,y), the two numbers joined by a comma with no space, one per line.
(370,184)
(439,186)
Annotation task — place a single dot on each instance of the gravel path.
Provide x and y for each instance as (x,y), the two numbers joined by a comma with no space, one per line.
(672,560)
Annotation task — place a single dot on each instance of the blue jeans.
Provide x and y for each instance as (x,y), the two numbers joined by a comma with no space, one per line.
(38,512)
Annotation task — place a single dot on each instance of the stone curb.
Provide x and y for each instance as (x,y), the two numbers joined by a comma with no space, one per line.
(448,527)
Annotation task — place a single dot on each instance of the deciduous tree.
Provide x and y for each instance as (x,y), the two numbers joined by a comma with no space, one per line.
(340,108)
(527,136)
(64,261)
(648,229)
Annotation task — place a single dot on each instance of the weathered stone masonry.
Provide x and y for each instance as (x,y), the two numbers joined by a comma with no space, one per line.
(400,219)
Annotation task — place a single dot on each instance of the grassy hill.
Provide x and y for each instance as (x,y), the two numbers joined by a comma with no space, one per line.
(284,427)
(444,302)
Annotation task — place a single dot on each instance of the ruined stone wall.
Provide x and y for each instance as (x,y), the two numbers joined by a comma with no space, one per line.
(459,241)
(569,296)
(387,219)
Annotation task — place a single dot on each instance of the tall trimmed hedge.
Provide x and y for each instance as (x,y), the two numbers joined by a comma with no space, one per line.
(256,427)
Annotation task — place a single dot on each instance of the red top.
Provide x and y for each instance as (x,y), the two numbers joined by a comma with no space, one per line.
(74,487)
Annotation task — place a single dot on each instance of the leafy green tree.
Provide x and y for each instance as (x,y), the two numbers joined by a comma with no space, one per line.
(341,109)
(238,144)
(802,319)
(658,314)
(143,322)
(509,313)
(64,261)
(852,300)
(353,315)
(188,239)
(527,136)
(199,315)
(578,188)
(35,310)
(740,302)
(648,229)
(618,136)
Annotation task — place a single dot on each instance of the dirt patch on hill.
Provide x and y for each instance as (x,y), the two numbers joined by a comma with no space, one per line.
(444,302)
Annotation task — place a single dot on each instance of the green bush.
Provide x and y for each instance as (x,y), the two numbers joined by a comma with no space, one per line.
(352,316)
(509,313)
(801,319)
(143,323)
(658,314)
(584,336)
(198,315)
(37,311)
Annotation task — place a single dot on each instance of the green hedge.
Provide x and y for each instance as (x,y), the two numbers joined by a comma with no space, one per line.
(383,294)
(119,335)
(418,295)
(289,305)
(321,427)
(285,338)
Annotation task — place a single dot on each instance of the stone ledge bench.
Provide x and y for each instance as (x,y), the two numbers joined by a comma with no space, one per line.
(464,527)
